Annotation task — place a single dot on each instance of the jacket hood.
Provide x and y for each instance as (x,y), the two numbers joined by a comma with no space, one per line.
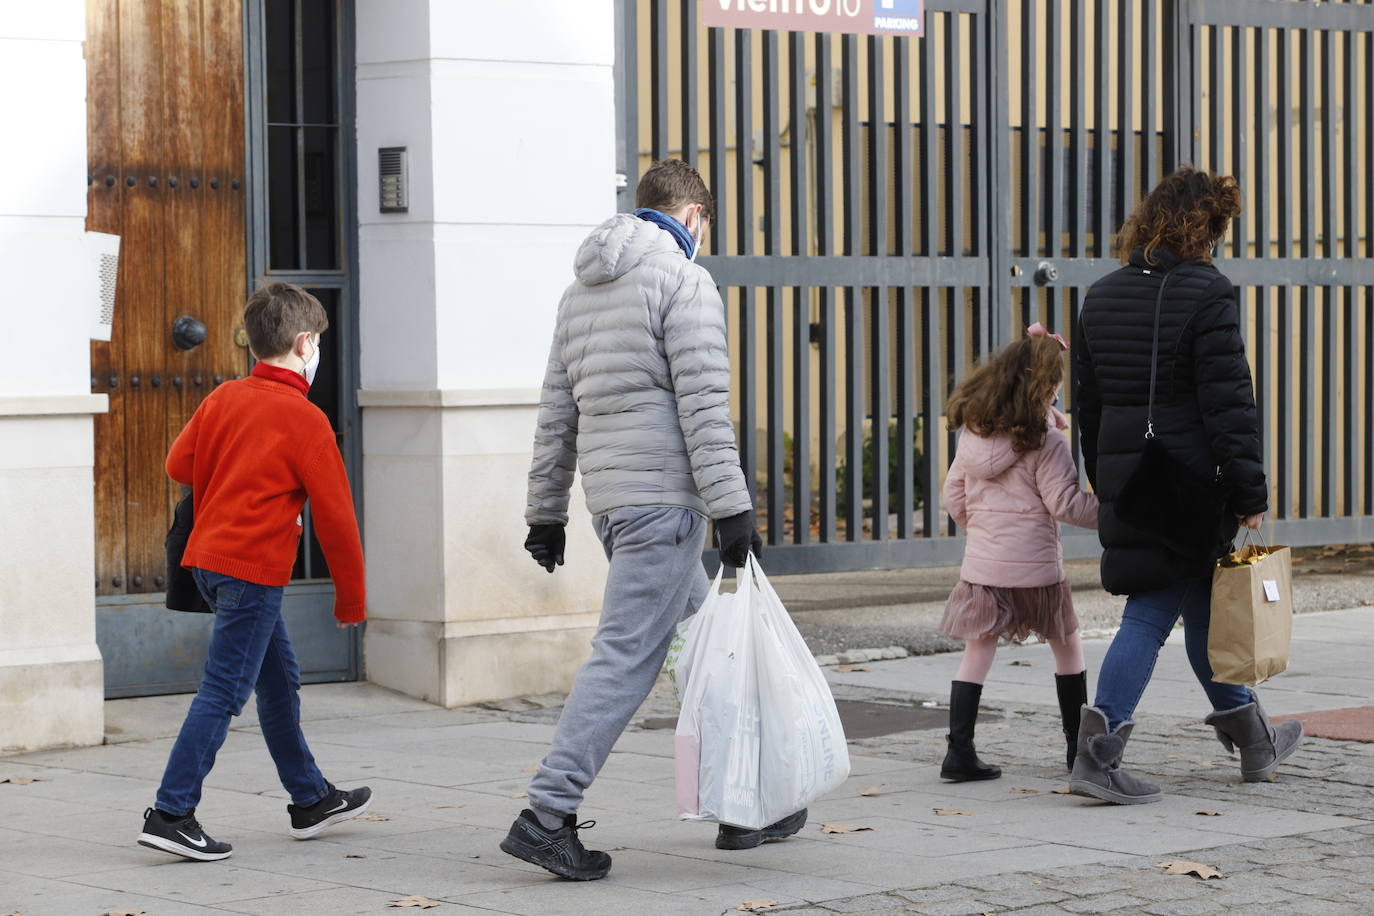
(617,246)
(985,456)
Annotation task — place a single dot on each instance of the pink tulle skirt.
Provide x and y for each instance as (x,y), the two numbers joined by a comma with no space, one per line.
(985,611)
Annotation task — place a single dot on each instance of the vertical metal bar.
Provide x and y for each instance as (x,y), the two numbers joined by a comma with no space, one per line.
(1078,78)
(1350,185)
(999,189)
(1031,186)
(1126,177)
(691,141)
(956,170)
(1330,360)
(1240,117)
(1308,226)
(658,77)
(853,313)
(1217,134)
(1105,214)
(801,297)
(1260,86)
(298,118)
(933,245)
(1285,409)
(772,240)
(825,244)
(1367,389)
(744,141)
(1181,108)
(1149,43)
(982,129)
(877,297)
(626,85)
(715,86)
(902,243)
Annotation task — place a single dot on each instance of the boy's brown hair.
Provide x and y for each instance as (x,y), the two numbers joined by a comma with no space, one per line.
(670,185)
(276,313)
(1009,393)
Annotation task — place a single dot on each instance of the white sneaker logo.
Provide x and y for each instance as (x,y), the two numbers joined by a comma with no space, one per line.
(343,803)
(199,844)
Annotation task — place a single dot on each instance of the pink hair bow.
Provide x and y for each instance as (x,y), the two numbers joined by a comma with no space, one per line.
(1038,330)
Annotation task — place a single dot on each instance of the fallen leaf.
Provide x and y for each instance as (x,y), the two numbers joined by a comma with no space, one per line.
(521,795)
(871,791)
(415,900)
(1204,763)
(125,913)
(354,855)
(842,828)
(951,811)
(1206,813)
(373,817)
(532,768)
(1062,791)
(1027,791)
(1183,867)
(1018,663)
(753,906)
(846,669)
(22,780)
(448,806)
(1172,756)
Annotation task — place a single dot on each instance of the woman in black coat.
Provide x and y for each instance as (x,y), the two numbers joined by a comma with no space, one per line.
(1163,533)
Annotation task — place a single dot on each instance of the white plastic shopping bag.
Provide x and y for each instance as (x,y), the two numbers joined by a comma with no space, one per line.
(758,737)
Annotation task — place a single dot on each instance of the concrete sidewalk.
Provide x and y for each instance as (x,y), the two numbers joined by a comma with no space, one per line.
(447,784)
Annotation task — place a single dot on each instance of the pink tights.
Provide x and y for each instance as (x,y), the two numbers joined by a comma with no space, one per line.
(978,654)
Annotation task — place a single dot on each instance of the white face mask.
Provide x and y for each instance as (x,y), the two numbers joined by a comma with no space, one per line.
(696,240)
(312,365)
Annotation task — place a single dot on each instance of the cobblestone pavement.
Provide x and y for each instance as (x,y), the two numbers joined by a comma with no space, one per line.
(448,782)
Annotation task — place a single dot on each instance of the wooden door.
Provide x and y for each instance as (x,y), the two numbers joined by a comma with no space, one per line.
(165,101)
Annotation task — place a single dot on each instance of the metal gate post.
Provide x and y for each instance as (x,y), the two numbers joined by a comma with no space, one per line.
(626,70)
(999,195)
(1180,102)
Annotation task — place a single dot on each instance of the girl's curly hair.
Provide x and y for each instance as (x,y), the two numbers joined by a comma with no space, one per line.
(1009,392)
(1185,214)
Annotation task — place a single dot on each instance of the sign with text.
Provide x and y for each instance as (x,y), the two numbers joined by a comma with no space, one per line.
(862,17)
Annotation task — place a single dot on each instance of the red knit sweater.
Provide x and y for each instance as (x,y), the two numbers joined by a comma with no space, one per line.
(253,452)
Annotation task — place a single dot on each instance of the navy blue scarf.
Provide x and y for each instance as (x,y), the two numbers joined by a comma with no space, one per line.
(671,226)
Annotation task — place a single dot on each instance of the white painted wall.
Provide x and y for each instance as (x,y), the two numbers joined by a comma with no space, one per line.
(51,685)
(508,114)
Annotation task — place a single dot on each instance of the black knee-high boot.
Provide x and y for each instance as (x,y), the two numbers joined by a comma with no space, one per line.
(1073,696)
(961,760)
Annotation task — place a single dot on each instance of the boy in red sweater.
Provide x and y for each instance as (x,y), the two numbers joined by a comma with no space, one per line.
(253,452)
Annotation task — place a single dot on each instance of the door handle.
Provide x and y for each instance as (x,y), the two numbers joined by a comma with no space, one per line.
(188,333)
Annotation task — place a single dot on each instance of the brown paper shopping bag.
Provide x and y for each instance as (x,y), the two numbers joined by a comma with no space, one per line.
(1252,614)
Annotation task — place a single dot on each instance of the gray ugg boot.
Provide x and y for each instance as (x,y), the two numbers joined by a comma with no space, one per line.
(1097,769)
(1262,746)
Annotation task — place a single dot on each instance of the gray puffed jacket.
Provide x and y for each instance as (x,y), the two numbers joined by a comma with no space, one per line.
(638,384)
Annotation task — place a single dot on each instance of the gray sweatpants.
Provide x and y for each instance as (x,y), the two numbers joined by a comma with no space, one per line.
(656,580)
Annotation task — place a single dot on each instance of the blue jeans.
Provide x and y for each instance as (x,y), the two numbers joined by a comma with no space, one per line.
(1145,625)
(249,650)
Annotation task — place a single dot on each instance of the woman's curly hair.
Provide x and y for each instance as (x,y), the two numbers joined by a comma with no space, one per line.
(1185,214)
(1009,393)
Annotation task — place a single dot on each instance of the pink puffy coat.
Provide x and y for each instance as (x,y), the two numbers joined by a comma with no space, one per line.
(1010,505)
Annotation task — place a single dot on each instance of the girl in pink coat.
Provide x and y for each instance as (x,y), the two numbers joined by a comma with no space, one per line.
(1012,482)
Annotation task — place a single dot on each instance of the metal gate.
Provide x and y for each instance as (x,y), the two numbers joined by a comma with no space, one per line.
(890,209)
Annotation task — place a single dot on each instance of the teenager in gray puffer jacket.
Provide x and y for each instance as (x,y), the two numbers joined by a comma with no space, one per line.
(637,392)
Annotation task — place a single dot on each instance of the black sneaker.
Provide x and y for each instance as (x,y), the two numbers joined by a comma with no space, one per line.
(728,837)
(339,805)
(181,836)
(559,851)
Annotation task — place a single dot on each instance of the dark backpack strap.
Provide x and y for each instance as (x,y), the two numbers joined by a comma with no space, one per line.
(1154,358)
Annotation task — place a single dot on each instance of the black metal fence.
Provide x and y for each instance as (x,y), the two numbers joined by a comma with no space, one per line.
(890,209)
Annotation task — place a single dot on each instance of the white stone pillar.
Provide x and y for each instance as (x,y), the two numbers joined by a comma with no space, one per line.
(51,679)
(507,111)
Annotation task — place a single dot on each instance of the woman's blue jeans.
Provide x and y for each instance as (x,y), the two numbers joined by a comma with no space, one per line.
(248,651)
(1145,625)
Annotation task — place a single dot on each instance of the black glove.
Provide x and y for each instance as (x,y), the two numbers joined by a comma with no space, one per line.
(545,544)
(736,536)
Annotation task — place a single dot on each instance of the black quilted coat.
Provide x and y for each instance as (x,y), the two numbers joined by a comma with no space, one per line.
(1204,407)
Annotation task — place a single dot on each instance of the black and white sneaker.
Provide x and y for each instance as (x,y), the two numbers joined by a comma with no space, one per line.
(339,805)
(181,836)
(558,851)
